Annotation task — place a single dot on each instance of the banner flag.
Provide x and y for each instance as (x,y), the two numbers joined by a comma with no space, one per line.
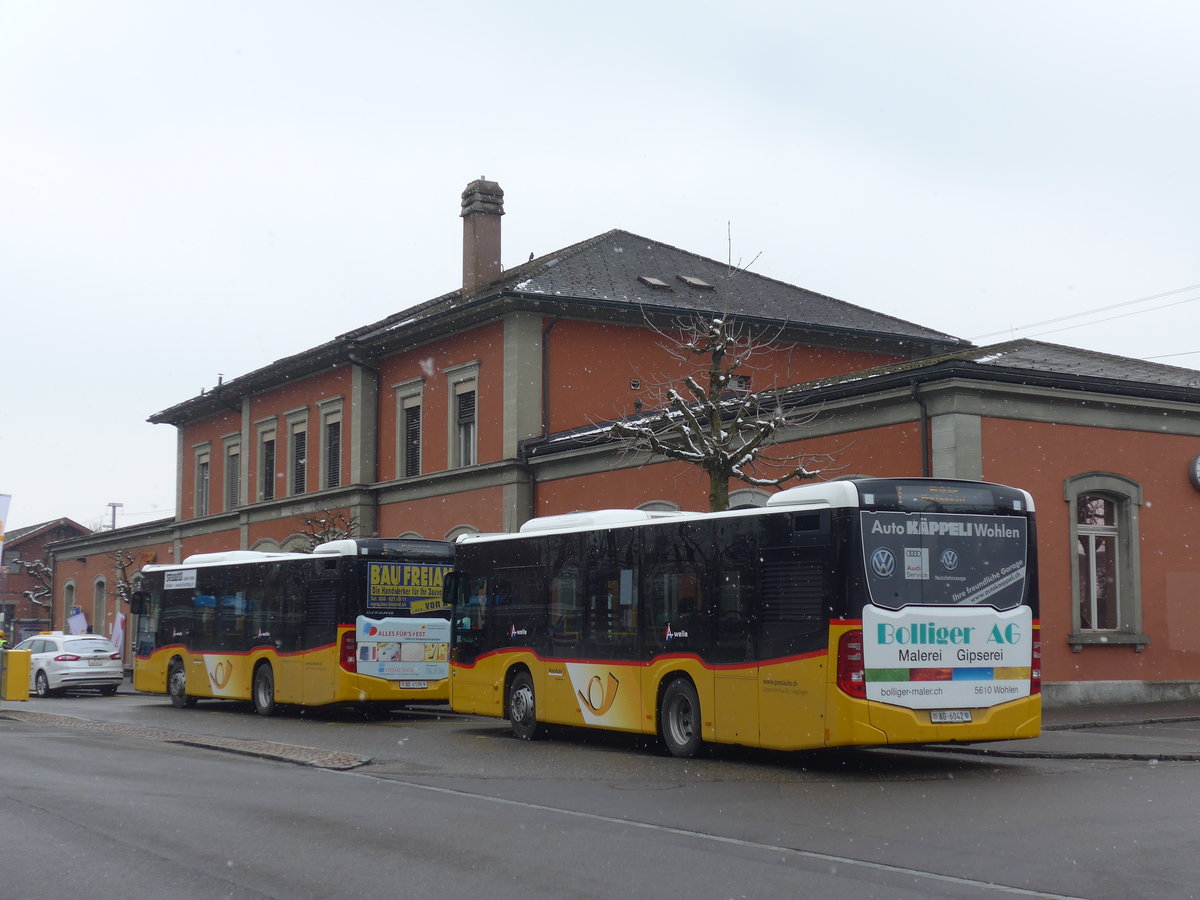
(5,499)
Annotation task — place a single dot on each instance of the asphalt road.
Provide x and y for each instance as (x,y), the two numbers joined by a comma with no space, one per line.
(126,796)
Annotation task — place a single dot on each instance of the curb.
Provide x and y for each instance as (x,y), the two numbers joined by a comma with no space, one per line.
(291,753)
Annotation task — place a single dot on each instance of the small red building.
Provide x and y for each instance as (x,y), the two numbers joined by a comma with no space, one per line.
(22,615)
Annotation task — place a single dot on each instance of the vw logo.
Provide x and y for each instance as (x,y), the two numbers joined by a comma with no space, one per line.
(949,560)
(883,561)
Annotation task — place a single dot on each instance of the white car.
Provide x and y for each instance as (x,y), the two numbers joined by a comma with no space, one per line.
(63,661)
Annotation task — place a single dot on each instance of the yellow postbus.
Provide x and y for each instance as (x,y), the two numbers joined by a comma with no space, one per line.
(857,612)
(355,621)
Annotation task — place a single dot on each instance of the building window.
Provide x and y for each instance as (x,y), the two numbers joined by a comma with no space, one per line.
(464,414)
(298,448)
(412,440)
(266,462)
(203,480)
(99,602)
(233,474)
(1105,571)
(331,447)
(464,440)
(409,401)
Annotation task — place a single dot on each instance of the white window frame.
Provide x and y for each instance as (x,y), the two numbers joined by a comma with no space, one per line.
(232,488)
(297,423)
(331,414)
(1126,496)
(267,430)
(201,480)
(460,380)
(409,395)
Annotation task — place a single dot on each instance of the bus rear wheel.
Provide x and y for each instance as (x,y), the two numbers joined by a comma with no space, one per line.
(522,710)
(679,719)
(264,691)
(177,686)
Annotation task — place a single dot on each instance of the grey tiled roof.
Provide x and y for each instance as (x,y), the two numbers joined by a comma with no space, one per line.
(1035,356)
(608,268)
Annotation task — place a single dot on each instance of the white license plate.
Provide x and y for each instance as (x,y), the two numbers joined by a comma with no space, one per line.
(945,716)
(95,662)
(414,684)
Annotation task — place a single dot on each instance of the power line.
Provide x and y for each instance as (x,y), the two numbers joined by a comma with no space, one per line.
(1169,355)
(1102,309)
(1136,312)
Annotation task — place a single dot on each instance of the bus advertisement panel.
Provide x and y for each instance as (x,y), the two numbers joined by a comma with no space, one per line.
(415,588)
(413,652)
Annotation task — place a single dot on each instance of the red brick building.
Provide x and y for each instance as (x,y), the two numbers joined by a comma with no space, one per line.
(21,616)
(484,407)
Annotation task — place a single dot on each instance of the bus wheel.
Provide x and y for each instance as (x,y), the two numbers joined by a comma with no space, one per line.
(679,719)
(177,686)
(522,713)
(264,691)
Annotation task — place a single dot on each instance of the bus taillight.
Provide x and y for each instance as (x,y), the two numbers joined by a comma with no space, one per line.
(348,651)
(1035,673)
(851,675)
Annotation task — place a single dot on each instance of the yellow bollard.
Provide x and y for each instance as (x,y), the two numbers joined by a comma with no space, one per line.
(14,674)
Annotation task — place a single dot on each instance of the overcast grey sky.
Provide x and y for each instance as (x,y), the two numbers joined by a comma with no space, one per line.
(190,190)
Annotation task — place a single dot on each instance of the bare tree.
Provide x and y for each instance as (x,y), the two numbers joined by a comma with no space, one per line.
(123,561)
(713,420)
(328,525)
(42,593)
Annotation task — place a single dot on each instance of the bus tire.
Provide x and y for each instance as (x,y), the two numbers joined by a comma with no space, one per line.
(679,718)
(264,691)
(177,685)
(522,708)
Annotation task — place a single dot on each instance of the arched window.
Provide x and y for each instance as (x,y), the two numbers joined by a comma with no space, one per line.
(453,533)
(659,506)
(748,498)
(99,605)
(1105,565)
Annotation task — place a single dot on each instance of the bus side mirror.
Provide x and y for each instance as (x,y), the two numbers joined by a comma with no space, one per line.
(138,603)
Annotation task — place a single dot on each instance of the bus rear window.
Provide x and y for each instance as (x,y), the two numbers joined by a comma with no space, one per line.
(944,559)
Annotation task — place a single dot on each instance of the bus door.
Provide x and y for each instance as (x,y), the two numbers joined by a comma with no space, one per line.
(320,641)
(280,614)
(796,586)
(733,656)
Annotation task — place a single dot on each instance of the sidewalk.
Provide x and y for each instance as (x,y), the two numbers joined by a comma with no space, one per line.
(1163,732)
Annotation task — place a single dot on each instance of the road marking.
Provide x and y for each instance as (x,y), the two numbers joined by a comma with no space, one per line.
(722,839)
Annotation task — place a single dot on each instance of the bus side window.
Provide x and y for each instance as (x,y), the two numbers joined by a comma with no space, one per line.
(566,594)
(679,610)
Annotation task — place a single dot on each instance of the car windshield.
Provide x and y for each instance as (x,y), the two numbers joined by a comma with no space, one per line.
(88,645)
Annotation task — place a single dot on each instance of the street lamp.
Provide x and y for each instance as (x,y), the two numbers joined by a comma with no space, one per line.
(114,507)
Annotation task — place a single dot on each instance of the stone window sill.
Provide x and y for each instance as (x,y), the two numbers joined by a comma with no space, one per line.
(1081,639)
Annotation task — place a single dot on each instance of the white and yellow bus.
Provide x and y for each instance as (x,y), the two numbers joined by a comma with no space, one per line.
(355,621)
(857,612)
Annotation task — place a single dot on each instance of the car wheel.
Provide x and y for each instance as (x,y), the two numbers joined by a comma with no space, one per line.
(679,719)
(177,686)
(41,685)
(264,691)
(108,690)
(522,708)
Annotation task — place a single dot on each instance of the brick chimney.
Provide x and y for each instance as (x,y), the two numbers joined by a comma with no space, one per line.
(482,207)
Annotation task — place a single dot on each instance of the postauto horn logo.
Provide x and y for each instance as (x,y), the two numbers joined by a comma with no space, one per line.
(883,562)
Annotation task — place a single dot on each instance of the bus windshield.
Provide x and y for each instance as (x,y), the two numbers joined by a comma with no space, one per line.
(944,559)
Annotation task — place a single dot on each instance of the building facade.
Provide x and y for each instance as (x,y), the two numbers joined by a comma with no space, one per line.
(487,406)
